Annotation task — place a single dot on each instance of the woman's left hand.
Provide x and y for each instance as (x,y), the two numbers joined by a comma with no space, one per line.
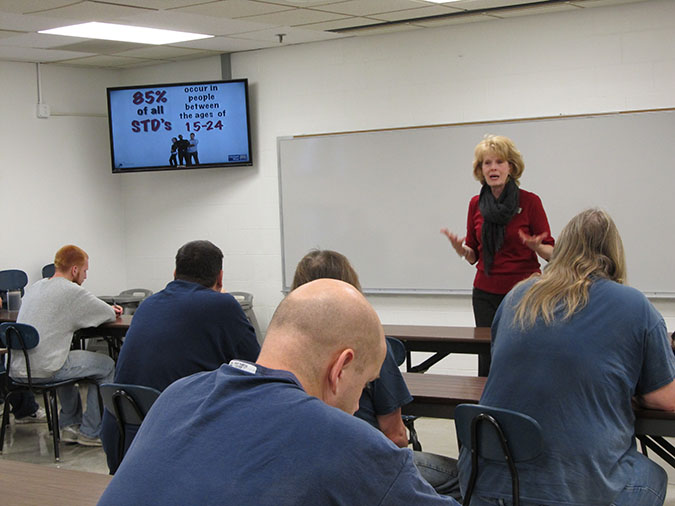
(534,242)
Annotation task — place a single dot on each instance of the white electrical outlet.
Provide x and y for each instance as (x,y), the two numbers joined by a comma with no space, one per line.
(42,111)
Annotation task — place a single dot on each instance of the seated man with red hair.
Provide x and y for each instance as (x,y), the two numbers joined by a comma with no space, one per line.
(57,307)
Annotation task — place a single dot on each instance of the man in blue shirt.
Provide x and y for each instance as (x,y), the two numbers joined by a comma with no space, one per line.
(279,431)
(188,327)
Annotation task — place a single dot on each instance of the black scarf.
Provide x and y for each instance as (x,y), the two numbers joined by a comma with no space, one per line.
(496,214)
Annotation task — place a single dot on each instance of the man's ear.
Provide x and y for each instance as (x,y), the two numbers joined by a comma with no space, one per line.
(218,287)
(336,371)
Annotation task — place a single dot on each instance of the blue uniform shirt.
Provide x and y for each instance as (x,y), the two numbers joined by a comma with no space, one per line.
(576,377)
(183,329)
(233,436)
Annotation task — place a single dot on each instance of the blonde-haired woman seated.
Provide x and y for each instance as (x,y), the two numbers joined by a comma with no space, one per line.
(571,348)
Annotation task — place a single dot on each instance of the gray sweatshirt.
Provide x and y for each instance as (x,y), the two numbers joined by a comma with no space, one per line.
(56,307)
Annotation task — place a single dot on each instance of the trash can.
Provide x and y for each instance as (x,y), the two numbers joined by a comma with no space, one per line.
(245,299)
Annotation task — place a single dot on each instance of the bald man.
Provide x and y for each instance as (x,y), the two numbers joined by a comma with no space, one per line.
(280,431)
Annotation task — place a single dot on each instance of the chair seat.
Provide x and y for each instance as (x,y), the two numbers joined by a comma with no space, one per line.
(47,384)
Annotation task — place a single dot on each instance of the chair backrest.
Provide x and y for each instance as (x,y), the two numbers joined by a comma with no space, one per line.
(128,403)
(18,336)
(144,292)
(13,279)
(397,349)
(48,271)
(21,337)
(498,435)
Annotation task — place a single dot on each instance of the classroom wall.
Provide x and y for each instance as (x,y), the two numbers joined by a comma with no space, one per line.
(590,60)
(229,207)
(56,186)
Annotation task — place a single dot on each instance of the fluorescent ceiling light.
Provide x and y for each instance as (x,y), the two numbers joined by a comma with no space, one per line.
(125,33)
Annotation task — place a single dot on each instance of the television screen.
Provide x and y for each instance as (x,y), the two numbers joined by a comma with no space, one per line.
(179,126)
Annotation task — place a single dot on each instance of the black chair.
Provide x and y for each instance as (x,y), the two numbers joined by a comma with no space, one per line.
(128,404)
(397,348)
(498,435)
(12,280)
(48,271)
(20,337)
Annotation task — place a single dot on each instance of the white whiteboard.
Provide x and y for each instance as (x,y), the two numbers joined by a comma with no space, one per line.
(381,197)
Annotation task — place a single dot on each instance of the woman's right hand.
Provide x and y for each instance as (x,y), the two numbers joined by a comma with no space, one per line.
(456,241)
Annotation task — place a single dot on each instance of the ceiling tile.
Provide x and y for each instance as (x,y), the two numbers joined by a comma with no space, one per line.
(228,44)
(235,8)
(98,46)
(108,61)
(339,23)
(602,3)
(5,34)
(163,52)
(384,28)
(291,35)
(34,55)
(456,20)
(158,4)
(26,6)
(26,23)
(174,20)
(237,25)
(295,17)
(368,7)
(39,40)
(305,3)
(415,13)
(488,4)
(535,9)
(92,11)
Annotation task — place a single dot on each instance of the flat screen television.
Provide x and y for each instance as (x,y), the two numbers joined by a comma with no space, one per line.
(179,126)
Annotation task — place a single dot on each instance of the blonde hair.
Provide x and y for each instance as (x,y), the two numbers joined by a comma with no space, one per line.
(589,247)
(68,256)
(503,147)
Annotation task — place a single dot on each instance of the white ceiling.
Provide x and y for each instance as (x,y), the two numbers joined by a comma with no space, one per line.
(238,25)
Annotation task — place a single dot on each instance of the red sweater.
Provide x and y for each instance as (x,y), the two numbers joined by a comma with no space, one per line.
(514,261)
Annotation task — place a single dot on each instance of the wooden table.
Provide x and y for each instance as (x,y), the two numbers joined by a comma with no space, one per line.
(112,332)
(25,484)
(8,316)
(437,396)
(441,340)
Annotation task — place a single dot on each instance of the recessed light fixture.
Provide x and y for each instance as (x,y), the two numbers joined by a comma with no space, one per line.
(125,33)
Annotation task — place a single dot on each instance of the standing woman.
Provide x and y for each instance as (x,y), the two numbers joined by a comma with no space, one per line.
(506,229)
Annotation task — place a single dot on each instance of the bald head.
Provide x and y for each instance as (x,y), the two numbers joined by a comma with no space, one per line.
(312,329)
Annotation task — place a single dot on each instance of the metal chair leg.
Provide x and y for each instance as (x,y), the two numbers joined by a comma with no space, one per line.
(5,422)
(56,435)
